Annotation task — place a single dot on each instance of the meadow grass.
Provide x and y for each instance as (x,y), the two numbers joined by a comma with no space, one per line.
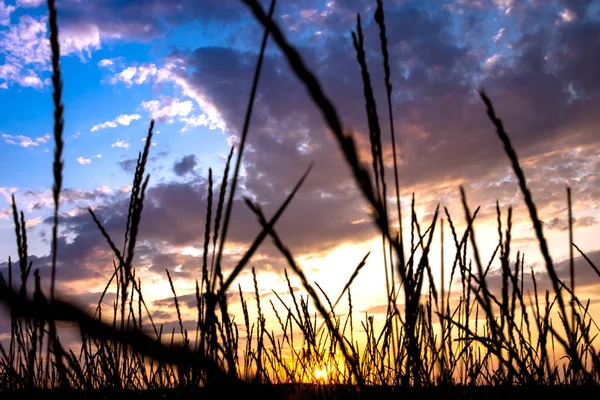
(462,335)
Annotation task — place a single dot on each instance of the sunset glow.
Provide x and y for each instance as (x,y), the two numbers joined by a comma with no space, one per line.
(321,374)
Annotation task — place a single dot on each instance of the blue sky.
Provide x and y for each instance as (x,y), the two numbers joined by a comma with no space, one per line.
(188,65)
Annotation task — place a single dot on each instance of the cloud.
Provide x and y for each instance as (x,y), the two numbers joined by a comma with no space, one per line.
(438,115)
(5,11)
(105,63)
(146,19)
(491,61)
(499,35)
(26,48)
(25,141)
(561,224)
(32,200)
(107,124)
(166,108)
(5,213)
(7,192)
(126,119)
(585,276)
(186,165)
(125,76)
(133,74)
(171,73)
(80,39)
(123,119)
(29,3)
(145,71)
(110,63)
(121,144)
(194,121)
(128,165)
(83,161)
(31,80)
(567,15)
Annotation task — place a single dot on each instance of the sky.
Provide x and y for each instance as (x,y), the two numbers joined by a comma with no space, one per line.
(189,64)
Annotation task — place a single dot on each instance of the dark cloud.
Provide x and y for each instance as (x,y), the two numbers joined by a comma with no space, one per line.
(585,276)
(539,87)
(542,86)
(164,261)
(185,165)
(140,19)
(561,224)
(128,165)
(191,301)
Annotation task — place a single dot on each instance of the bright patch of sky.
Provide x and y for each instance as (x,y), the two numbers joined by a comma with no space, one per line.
(107,109)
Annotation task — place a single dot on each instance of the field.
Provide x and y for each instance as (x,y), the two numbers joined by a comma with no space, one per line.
(458,339)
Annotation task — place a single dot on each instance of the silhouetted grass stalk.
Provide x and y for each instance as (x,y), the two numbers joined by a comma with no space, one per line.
(462,332)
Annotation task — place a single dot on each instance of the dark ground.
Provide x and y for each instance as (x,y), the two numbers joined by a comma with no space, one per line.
(310,392)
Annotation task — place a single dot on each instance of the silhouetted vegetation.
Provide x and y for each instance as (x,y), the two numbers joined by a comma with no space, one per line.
(432,338)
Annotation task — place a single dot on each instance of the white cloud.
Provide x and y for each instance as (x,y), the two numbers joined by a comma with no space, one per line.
(38,200)
(27,52)
(123,119)
(125,76)
(144,71)
(106,62)
(25,141)
(120,143)
(131,75)
(500,34)
(98,155)
(29,3)
(110,64)
(84,161)
(174,74)
(195,120)
(167,108)
(43,139)
(79,39)
(107,124)
(104,189)
(7,192)
(490,62)
(9,73)
(5,213)
(31,80)
(31,222)
(232,140)
(26,47)
(5,12)
(504,5)
(25,43)
(567,15)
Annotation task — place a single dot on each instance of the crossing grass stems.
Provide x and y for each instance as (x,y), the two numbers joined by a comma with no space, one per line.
(448,336)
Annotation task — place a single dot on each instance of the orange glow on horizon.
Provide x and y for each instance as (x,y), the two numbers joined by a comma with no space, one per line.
(321,374)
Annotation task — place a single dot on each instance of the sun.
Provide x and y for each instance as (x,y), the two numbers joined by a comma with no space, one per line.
(321,374)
